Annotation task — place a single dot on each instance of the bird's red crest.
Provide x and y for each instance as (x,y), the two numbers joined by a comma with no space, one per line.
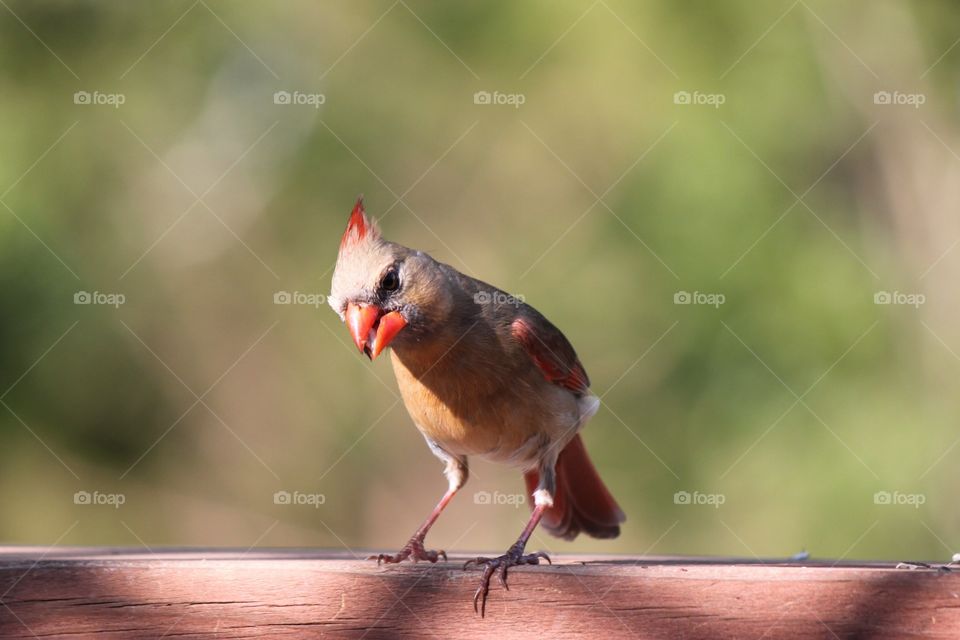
(359,226)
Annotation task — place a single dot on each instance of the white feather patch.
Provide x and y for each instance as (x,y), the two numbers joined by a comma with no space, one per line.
(542,498)
(337,305)
(588,406)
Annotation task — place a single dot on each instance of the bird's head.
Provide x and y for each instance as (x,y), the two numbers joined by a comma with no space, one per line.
(384,291)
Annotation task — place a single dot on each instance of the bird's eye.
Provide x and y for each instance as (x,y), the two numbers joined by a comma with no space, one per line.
(390,281)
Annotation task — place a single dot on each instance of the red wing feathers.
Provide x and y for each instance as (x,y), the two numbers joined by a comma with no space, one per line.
(551,352)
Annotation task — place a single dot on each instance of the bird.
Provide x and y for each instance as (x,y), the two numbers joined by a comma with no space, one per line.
(481,373)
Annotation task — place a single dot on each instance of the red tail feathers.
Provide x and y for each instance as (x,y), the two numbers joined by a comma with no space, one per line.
(582,502)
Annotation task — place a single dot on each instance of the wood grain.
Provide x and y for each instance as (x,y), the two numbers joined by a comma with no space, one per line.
(203,593)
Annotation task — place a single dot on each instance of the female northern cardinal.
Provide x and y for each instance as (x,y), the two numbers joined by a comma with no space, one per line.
(481,373)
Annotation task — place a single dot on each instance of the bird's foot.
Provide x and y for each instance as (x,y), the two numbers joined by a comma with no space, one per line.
(414,550)
(513,557)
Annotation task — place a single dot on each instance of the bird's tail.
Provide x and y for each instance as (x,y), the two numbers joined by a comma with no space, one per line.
(582,502)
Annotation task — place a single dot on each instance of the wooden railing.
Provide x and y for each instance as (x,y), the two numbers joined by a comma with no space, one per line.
(210,593)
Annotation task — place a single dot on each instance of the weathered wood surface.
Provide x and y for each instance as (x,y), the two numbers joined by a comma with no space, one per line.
(200,593)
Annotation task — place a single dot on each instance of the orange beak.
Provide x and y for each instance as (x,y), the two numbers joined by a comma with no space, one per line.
(372,330)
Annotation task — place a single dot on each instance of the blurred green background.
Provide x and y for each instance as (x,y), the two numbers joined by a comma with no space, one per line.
(664,152)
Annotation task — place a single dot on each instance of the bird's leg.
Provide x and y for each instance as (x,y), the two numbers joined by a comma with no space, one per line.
(414,548)
(456,472)
(514,556)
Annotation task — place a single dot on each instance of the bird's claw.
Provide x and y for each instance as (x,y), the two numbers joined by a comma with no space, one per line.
(413,550)
(500,564)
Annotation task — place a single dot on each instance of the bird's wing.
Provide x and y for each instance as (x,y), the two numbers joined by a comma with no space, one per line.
(550,351)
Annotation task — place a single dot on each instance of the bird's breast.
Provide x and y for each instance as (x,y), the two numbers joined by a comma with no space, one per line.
(504,416)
